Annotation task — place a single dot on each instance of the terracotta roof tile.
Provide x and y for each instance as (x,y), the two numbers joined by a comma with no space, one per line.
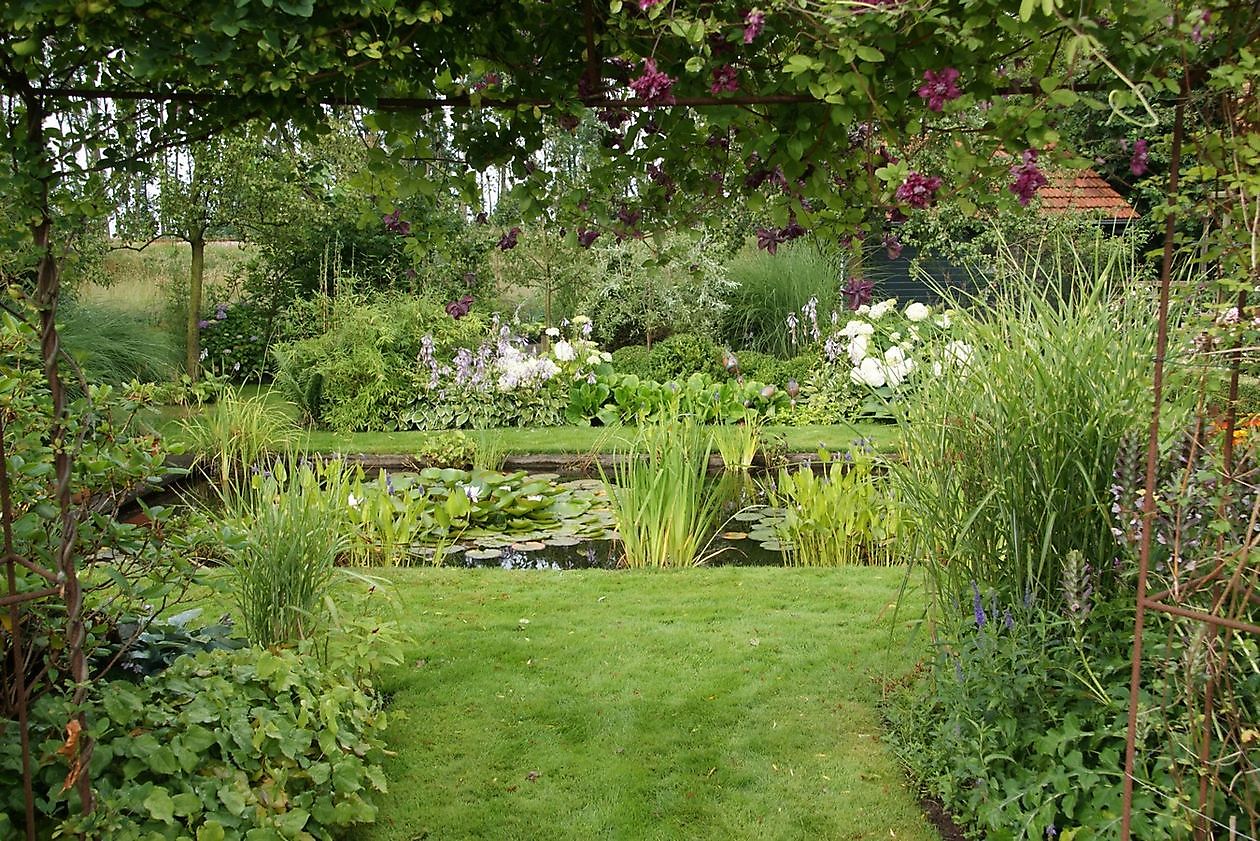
(1083,192)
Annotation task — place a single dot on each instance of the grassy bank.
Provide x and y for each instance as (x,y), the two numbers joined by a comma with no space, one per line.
(564,439)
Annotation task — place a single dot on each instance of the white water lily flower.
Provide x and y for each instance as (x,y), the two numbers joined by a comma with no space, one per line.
(473,492)
(870,372)
(858,349)
(918,312)
(882,309)
(858,328)
(564,351)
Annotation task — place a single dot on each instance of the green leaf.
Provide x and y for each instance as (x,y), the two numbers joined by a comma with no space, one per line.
(160,805)
(869,53)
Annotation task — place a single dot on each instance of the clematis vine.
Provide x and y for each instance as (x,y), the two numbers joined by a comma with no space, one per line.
(1140,162)
(768,240)
(919,190)
(725,80)
(939,87)
(508,241)
(1028,178)
(587,236)
(892,245)
(395,224)
(857,292)
(459,309)
(654,87)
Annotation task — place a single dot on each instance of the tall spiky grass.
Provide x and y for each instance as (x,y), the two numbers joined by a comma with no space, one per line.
(844,516)
(239,433)
(769,288)
(283,572)
(662,498)
(1008,457)
(738,444)
(116,346)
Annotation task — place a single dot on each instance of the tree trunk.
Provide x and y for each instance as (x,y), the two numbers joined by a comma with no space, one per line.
(195,276)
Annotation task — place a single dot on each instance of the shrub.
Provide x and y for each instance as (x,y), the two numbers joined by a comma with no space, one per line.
(682,355)
(363,374)
(1021,742)
(223,744)
(235,339)
(633,359)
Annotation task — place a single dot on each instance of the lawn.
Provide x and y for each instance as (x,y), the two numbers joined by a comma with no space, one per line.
(564,439)
(716,703)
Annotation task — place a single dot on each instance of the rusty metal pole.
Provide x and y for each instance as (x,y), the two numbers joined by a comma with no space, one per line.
(1152,462)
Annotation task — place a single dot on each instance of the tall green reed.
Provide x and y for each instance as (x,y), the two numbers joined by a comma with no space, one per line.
(1008,454)
(239,433)
(738,443)
(664,503)
(292,517)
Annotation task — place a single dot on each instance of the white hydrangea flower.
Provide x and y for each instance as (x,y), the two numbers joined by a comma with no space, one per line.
(870,373)
(553,331)
(918,312)
(858,328)
(882,309)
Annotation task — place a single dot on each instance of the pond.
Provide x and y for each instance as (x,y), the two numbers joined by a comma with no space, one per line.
(521,520)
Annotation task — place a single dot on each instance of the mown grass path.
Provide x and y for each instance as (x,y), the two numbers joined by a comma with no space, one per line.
(719,703)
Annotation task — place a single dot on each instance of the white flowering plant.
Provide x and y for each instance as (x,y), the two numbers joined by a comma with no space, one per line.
(884,347)
(507,380)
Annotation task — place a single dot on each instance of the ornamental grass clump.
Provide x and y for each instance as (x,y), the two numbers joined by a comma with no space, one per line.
(844,516)
(1008,453)
(664,504)
(283,570)
(238,434)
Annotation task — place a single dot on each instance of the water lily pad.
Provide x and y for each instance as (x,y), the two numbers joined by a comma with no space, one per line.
(734,535)
(774,545)
(529,546)
(564,540)
(747,516)
(483,554)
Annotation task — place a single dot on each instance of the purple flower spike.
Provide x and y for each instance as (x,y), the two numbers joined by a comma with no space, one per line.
(203,324)
(977,605)
(939,87)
